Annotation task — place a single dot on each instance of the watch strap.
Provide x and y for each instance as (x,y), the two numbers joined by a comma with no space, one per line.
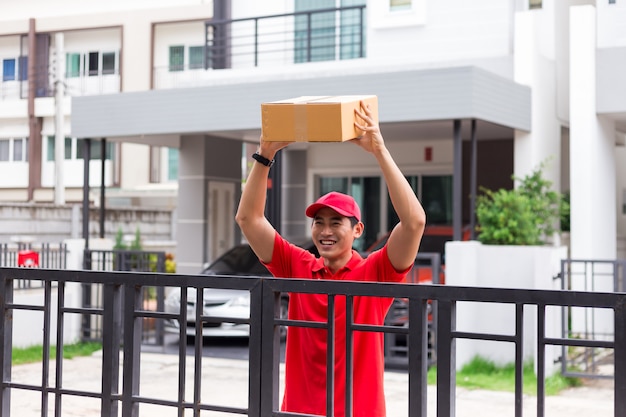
(262,160)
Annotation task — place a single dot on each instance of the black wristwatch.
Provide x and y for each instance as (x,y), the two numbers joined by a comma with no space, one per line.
(262,160)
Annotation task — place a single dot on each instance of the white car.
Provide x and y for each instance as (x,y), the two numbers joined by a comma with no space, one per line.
(238,261)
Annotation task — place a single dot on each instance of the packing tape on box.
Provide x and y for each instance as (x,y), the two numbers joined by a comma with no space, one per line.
(299,113)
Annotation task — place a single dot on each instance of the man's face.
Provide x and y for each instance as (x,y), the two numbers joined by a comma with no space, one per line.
(333,234)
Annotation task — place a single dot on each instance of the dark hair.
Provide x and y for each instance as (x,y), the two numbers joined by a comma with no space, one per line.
(353,221)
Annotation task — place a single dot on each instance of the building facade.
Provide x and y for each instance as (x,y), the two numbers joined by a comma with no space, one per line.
(470,93)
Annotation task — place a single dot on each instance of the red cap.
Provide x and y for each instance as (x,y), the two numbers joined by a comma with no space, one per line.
(341,203)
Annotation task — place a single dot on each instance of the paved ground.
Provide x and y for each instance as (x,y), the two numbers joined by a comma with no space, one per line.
(225,383)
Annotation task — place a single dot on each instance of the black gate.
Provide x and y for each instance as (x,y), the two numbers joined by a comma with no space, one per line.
(153,298)
(590,323)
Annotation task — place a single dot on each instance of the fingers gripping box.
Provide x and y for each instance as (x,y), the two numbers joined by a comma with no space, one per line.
(314,118)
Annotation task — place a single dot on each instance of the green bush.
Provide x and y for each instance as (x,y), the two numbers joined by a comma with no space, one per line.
(526,215)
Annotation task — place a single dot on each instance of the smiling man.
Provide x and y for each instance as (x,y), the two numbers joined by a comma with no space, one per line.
(336,224)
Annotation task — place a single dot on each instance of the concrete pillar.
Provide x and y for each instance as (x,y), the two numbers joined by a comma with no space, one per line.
(592,172)
(534,66)
(205,163)
(592,148)
(294,202)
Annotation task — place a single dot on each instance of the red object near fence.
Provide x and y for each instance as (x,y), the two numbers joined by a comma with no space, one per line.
(28,259)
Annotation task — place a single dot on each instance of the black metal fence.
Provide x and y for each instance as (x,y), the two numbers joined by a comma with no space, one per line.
(122,327)
(590,276)
(123,260)
(29,255)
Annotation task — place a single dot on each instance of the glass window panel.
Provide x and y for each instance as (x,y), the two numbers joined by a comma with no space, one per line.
(395,5)
(534,4)
(50,156)
(352,30)
(93,63)
(72,65)
(172,164)
(196,57)
(108,63)
(23,68)
(321,44)
(8,69)
(437,199)
(18,149)
(4,150)
(50,152)
(177,58)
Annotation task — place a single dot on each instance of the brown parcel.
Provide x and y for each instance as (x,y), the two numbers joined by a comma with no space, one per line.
(314,118)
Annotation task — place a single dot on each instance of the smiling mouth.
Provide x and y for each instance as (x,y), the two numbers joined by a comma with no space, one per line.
(327,242)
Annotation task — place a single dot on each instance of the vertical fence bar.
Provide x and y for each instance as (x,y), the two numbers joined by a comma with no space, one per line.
(59,353)
(446,350)
(270,356)
(349,359)
(620,357)
(111,325)
(418,360)
(6,340)
(519,358)
(45,366)
(541,359)
(255,350)
(132,348)
(330,357)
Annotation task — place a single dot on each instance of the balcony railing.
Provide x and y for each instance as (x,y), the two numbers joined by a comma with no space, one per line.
(271,41)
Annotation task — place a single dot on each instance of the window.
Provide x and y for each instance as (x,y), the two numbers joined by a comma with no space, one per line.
(177,58)
(5,145)
(196,57)
(396,5)
(14,150)
(74,149)
(8,69)
(319,41)
(93,63)
(172,164)
(534,4)
(95,149)
(20,152)
(108,63)
(51,148)
(72,65)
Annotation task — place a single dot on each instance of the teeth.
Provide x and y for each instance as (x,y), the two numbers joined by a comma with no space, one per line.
(327,242)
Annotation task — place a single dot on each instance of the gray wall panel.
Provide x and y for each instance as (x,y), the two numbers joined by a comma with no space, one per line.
(417,95)
(611,81)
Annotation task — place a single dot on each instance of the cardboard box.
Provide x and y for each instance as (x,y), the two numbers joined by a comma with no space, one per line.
(314,118)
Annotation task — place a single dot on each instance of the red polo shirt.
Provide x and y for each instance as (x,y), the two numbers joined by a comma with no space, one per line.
(305,364)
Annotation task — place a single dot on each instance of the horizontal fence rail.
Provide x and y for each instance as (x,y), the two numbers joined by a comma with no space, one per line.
(122,313)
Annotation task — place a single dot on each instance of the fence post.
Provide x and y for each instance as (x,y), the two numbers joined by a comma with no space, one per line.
(111,322)
(619,373)
(446,350)
(6,342)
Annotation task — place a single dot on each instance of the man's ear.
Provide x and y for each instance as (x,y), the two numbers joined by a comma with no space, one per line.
(358,230)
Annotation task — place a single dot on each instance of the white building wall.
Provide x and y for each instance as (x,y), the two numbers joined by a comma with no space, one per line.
(440,31)
(535,67)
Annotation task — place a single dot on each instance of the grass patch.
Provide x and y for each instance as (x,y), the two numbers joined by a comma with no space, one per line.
(483,374)
(35,353)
